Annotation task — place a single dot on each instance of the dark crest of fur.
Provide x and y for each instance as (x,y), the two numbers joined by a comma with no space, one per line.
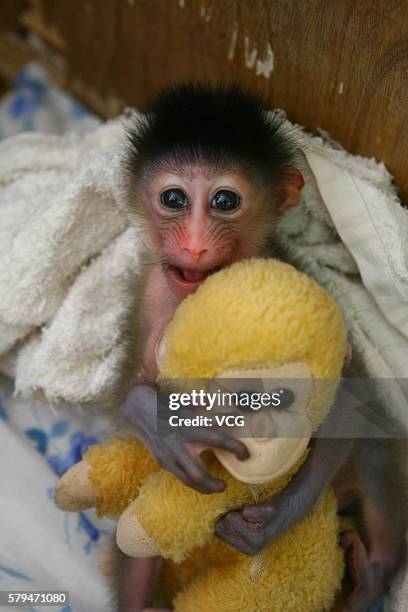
(218,125)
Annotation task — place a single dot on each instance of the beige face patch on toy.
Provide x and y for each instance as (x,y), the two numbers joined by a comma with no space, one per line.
(286,431)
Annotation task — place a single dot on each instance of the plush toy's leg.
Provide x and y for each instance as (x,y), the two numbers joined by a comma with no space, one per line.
(117,471)
(74,491)
(173,519)
(108,477)
(132,538)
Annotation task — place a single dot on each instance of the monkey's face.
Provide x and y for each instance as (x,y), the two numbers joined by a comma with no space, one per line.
(275,436)
(202,220)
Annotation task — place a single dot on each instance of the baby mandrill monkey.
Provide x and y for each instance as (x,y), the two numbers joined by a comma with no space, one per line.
(211,173)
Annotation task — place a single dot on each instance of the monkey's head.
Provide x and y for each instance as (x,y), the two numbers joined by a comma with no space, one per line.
(212,172)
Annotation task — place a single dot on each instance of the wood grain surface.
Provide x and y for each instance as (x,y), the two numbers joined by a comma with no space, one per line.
(341,65)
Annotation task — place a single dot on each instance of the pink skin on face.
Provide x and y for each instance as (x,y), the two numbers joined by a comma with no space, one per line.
(199,240)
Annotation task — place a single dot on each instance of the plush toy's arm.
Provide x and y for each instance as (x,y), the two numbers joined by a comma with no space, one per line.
(171,519)
(108,478)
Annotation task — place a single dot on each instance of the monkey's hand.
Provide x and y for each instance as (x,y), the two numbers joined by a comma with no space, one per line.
(256,526)
(180,452)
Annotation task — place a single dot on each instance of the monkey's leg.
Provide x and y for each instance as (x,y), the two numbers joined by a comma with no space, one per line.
(374,567)
(137,582)
(132,580)
(369,578)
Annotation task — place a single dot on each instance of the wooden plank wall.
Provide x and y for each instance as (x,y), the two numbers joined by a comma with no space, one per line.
(341,65)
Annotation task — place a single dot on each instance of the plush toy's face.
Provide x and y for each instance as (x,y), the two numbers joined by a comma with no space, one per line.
(276,436)
(261,319)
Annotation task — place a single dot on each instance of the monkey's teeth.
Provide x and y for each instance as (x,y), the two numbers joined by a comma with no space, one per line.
(192,276)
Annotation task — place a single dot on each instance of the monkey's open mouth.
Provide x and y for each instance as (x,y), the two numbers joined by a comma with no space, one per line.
(188,280)
(192,276)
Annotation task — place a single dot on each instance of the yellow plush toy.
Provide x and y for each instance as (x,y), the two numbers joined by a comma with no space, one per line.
(257,318)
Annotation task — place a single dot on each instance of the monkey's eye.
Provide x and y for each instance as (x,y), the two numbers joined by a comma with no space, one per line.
(286,398)
(225,201)
(174,199)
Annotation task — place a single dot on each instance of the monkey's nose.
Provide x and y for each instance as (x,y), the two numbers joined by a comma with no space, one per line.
(196,253)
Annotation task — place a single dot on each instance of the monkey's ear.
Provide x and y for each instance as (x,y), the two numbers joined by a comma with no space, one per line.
(293,182)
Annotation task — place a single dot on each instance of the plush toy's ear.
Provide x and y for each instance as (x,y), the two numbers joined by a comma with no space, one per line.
(293,183)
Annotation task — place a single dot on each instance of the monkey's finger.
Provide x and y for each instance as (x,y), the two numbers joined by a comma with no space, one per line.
(205,439)
(245,537)
(367,579)
(276,516)
(198,476)
(179,463)
(260,514)
(356,557)
(181,474)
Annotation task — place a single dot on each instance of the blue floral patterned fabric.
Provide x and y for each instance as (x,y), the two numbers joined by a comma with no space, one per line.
(38,446)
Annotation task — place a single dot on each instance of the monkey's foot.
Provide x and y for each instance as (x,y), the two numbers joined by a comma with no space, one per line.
(74,491)
(369,579)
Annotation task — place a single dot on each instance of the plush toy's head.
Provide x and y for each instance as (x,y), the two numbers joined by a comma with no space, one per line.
(264,319)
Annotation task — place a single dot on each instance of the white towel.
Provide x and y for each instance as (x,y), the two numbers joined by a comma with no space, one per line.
(351,235)
(67,250)
(66,253)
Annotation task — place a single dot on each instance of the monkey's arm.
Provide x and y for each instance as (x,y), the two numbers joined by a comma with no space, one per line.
(379,466)
(255,526)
